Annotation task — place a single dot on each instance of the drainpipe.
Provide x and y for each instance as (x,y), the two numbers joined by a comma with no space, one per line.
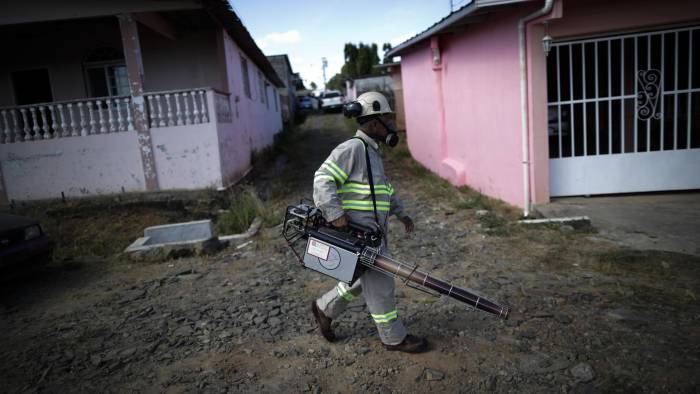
(522,24)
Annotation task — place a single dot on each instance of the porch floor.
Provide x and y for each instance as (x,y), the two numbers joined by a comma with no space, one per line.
(659,221)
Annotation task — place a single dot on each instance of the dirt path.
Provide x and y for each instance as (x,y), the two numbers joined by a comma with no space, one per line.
(589,317)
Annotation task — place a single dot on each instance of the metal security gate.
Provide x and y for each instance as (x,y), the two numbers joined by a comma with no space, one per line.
(624,113)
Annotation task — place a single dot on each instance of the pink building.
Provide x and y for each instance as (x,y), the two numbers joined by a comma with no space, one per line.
(614,107)
(112,96)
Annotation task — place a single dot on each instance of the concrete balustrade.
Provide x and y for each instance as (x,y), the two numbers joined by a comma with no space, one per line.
(101,115)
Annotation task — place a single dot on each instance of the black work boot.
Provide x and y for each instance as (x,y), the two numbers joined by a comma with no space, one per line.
(324,322)
(410,344)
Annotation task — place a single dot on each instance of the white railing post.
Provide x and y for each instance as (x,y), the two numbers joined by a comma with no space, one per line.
(54,123)
(73,123)
(27,135)
(161,122)
(195,112)
(93,123)
(120,117)
(185,99)
(83,120)
(110,123)
(103,124)
(35,123)
(170,121)
(16,131)
(205,110)
(6,129)
(178,114)
(64,131)
(44,124)
(129,118)
(152,111)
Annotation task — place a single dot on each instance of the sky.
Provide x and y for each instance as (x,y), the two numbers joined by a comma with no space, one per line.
(308,30)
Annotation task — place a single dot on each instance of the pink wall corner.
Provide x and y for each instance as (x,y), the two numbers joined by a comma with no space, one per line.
(537,115)
(421,106)
(480,96)
(482,102)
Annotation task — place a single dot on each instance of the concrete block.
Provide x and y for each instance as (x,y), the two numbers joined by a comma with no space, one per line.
(180,232)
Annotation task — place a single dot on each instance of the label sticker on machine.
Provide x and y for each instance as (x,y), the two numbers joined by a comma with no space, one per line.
(318,249)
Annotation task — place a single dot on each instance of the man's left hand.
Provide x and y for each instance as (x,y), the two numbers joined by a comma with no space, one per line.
(407,224)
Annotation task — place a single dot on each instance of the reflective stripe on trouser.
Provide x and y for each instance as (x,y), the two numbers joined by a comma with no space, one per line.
(378,291)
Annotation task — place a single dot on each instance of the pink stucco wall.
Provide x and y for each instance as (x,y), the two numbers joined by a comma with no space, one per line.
(475,92)
(253,120)
(187,157)
(479,79)
(79,166)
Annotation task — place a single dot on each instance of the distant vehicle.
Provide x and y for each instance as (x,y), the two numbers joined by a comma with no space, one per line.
(331,100)
(305,103)
(23,243)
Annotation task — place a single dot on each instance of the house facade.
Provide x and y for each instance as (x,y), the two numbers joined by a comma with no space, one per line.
(126,96)
(287,92)
(527,100)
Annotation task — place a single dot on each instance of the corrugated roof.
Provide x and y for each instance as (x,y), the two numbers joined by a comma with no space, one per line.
(458,16)
(222,11)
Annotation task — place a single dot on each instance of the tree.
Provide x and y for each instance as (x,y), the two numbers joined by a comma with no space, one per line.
(336,82)
(359,60)
(313,85)
(386,48)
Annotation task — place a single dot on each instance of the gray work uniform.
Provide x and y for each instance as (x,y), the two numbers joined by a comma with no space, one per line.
(341,187)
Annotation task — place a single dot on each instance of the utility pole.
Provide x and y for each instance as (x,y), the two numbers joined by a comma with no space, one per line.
(324,64)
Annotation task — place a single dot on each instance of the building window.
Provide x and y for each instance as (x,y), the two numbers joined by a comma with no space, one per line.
(276,103)
(246,78)
(107,80)
(105,73)
(262,87)
(267,101)
(32,86)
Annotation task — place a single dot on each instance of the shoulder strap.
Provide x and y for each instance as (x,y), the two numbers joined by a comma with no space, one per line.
(371,180)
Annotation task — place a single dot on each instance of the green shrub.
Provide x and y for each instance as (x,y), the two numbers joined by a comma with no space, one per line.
(244,209)
(474,201)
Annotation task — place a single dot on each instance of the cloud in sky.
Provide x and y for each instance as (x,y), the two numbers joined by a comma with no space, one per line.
(287,37)
(399,39)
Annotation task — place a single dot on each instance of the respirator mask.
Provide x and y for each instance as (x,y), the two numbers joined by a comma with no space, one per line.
(354,109)
(391,139)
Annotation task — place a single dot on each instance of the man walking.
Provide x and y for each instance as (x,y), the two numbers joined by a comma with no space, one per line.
(343,193)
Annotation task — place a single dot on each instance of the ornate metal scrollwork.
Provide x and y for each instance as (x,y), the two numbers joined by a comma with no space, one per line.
(648,93)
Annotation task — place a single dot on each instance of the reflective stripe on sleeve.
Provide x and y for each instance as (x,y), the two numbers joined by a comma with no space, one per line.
(323,176)
(337,168)
(333,172)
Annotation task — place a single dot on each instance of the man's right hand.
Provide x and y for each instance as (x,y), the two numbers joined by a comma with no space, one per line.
(340,222)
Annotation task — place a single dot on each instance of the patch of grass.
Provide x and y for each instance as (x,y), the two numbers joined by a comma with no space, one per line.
(401,152)
(495,224)
(245,207)
(475,201)
(649,263)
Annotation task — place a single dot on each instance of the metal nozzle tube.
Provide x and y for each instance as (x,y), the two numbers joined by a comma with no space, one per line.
(423,279)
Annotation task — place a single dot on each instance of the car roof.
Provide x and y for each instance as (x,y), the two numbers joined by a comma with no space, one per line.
(8,221)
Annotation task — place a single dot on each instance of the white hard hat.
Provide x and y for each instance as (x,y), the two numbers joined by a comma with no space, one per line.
(373,103)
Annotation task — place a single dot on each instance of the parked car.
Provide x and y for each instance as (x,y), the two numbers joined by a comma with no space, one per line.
(305,103)
(331,100)
(23,243)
